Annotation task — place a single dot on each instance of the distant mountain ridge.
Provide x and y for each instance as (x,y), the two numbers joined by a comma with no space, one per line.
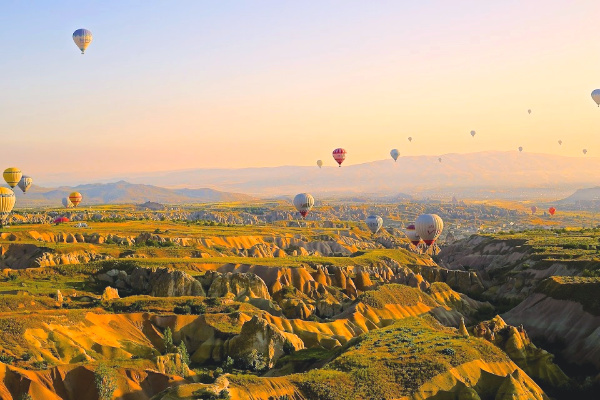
(490,172)
(124,193)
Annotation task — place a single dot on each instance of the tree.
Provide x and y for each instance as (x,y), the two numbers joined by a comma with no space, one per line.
(183,353)
(105,378)
(168,340)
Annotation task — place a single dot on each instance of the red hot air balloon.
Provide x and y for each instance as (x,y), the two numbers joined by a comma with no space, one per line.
(552,210)
(339,155)
(61,220)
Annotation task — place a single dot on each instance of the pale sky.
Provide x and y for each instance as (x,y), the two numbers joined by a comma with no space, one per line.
(169,85)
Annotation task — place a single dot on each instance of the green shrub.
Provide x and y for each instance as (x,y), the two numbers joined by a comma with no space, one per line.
(6,359)
(228,364)
(182,310)
(105,379)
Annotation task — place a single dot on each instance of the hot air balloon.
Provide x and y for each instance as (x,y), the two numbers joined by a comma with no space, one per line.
(75,198)
(319,163)
(82,38)
(440,159)
(394,153)
(473,133)
(61,220)
(533,210)
(412,235)
(552,210)
(67,203)
(584,151)
(7,202)
(596,96)
(12,176)
(339,155)
(560,142)
(429,227)
(520,149)
(374,223)
(410,138)
(529,111)
(303,203)
(25,183)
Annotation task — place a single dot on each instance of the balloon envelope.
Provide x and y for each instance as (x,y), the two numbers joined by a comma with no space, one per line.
(67,203)
(584,151)
(429,227)
(7,202)
(560,142)
(529,111)
(411,233)
(61,220)
(596,96)
(533,209)
(25,183)
(473,133)
(75,198)
(552,210)
(12,176)
(374,223)
(319,163)
(304,202)
(520,148)
(82,38)
(410,138)
(339,155)
(394,153)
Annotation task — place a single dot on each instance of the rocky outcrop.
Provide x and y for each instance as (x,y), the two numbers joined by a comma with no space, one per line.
(239,286)
(158,282)
(110,294)
(264,337)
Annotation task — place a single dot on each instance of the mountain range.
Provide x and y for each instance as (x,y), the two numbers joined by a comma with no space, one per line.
(124,193)
(476,175)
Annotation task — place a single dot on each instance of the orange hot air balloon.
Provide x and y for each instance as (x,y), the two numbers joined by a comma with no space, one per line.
(75,198)
(552,210)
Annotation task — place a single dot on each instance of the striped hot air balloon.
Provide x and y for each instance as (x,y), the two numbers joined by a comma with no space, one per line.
(75,198)
(12,176)
(7,202)
(339,155)
(82,38)
(25,183)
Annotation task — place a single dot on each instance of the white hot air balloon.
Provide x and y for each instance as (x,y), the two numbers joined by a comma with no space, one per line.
(394,153)
(596,96)
(411,233)
(25,183)
(320,163)
(304,202)
(374,223)
(429,227)
(67,203)
(473,133)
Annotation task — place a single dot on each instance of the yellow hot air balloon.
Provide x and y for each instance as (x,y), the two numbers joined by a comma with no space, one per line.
(82,38)
(12,176)
(7,202)
(75,198)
